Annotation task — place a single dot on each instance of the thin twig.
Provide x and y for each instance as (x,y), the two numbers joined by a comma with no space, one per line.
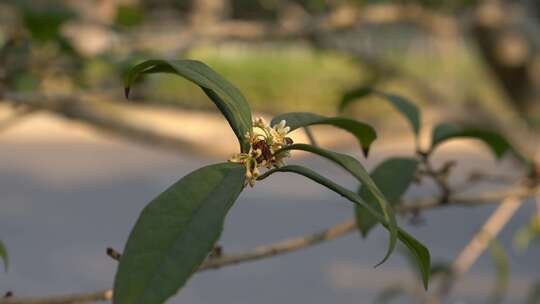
(488,232)
(115,255)
(293,244)
(476,178)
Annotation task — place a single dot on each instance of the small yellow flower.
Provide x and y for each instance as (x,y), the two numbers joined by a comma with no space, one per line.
(281,128)
(264,141)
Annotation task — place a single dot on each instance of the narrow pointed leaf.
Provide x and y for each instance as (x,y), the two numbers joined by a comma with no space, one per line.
(175,233)
(418,251)
(225,96)
(420,254)
(405,107)
(393,177)
(4,255)
(401,104)
(437,268)
(497,143)
(364,133)
(353,166)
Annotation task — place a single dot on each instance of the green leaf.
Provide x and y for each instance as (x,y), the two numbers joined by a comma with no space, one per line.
(401,104)
(4,256)
(225,96)
(405,107)
(502,267)
(418,251)
(364,133)
(175,233)
(498,144)
(353,166)
(392,177)
(128,15)
(437,268)
(420,254)
(353,95)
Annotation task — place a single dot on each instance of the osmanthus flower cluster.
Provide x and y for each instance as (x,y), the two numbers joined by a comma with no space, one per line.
(265,143)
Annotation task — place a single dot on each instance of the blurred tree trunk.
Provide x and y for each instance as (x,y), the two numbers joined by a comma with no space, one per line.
(501,32)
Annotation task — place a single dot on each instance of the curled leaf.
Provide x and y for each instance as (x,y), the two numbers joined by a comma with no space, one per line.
(225,96)
(401,104)
(496,142)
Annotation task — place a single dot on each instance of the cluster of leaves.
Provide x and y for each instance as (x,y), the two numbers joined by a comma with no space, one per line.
(36,50)
(394,175)
(176,231)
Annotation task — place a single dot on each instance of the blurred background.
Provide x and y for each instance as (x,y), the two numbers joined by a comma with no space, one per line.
(78,161)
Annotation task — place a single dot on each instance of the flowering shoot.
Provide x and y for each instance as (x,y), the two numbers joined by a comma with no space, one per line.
(264,142)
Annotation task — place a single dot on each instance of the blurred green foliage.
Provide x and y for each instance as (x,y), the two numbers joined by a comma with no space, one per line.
(275,77)
(273,80)
(129,15)
(44,21)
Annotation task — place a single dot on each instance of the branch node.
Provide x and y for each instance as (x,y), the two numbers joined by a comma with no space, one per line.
(115,255)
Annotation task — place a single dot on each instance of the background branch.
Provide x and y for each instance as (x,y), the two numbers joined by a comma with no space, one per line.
(108,117)
(478,244)
(295,244)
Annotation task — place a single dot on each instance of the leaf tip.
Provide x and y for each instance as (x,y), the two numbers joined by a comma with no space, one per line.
(426,284)
(380,263)
(365,151)
(383,260)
